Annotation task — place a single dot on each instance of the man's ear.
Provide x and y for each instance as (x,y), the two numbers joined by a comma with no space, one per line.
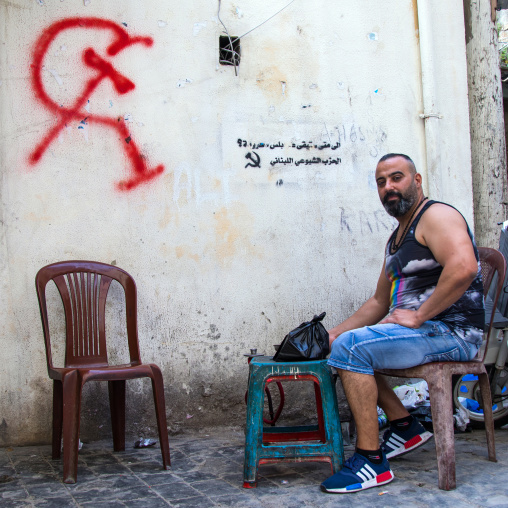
(418,179)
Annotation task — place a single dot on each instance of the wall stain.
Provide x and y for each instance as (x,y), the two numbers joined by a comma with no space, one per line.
(184,250)
(214,333)
(270,80)
(416,20)
(232,235)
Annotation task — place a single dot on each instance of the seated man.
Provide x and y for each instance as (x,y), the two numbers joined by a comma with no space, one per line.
(428,306)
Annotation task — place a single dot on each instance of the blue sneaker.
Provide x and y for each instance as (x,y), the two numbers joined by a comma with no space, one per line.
(358,473)
(397,442)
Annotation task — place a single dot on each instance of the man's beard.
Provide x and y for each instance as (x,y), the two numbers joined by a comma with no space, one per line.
(403,205)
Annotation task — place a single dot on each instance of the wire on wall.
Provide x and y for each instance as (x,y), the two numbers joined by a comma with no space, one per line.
(232,44)
(235,57)
(272,16)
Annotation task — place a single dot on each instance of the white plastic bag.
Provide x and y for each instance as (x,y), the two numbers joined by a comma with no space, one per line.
(412,395)
(461,418)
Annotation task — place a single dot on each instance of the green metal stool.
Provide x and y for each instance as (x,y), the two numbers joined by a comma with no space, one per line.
(316,443)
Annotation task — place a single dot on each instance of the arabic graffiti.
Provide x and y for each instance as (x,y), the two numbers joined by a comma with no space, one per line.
(307,162)
(340,137)
(103,70)
(242,143)
(255,159)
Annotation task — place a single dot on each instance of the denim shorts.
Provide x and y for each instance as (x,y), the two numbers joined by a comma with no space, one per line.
(392,346)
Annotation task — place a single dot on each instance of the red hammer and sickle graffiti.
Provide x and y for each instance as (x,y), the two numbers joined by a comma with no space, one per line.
(103,70)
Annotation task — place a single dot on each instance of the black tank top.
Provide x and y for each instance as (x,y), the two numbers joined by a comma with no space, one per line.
(413,272)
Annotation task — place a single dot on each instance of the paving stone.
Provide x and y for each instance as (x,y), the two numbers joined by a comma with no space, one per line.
(159,478)
(16,503)
(17,492)
(195,475)
(54,502)
(175,491)
(152,502)
(216,487)
(5,461)
(186,464)
(122,481)
(10,484)
(94,460)
(47,490)
(105,504)
(192,502)
(38,479)
(112,469)
(207,471)
(243,500)
(98,493)
(85,478)
(144,467)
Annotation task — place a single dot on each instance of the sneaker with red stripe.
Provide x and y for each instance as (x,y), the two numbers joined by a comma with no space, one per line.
(358,473)
(398,442)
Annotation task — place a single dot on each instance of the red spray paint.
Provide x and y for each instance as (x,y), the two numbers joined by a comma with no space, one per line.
(104,70)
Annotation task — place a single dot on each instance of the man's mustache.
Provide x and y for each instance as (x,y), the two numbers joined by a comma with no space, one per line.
(390,194)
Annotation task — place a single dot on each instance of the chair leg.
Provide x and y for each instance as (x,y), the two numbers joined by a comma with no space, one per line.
(487,413)
(117,408)
(57,419)
(71,417)
(440,389)
(160,412)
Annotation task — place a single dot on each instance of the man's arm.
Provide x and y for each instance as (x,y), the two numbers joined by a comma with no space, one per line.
(374,309)
(444,231)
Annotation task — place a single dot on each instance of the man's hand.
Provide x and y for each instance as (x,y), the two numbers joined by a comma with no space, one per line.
(403,317)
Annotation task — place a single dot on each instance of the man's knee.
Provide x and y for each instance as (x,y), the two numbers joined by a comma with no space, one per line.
(341,346)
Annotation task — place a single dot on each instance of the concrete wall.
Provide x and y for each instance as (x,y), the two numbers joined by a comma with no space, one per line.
(149,157)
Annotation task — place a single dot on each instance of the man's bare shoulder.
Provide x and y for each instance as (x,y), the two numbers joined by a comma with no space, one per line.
(438,220)
(442,215)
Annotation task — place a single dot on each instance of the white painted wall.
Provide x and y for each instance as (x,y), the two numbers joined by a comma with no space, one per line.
(226,257)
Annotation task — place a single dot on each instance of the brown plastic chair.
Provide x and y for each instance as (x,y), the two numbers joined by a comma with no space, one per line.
(83,287)
(439,379)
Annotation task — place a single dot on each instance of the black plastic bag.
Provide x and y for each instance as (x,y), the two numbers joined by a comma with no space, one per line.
(310,341)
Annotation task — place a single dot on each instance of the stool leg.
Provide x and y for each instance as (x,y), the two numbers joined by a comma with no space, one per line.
(319,409)
(332,418)
(254,427)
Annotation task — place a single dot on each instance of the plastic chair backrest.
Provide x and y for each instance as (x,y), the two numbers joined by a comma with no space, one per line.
(83,287)
(493,268)
(502,303)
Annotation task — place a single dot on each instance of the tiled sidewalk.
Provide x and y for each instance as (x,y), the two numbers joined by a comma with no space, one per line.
(207,471)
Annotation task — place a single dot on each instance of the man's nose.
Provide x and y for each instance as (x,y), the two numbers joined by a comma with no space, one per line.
(388,185)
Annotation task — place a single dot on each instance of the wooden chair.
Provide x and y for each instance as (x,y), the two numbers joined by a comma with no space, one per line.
(83,287)
(439,379)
